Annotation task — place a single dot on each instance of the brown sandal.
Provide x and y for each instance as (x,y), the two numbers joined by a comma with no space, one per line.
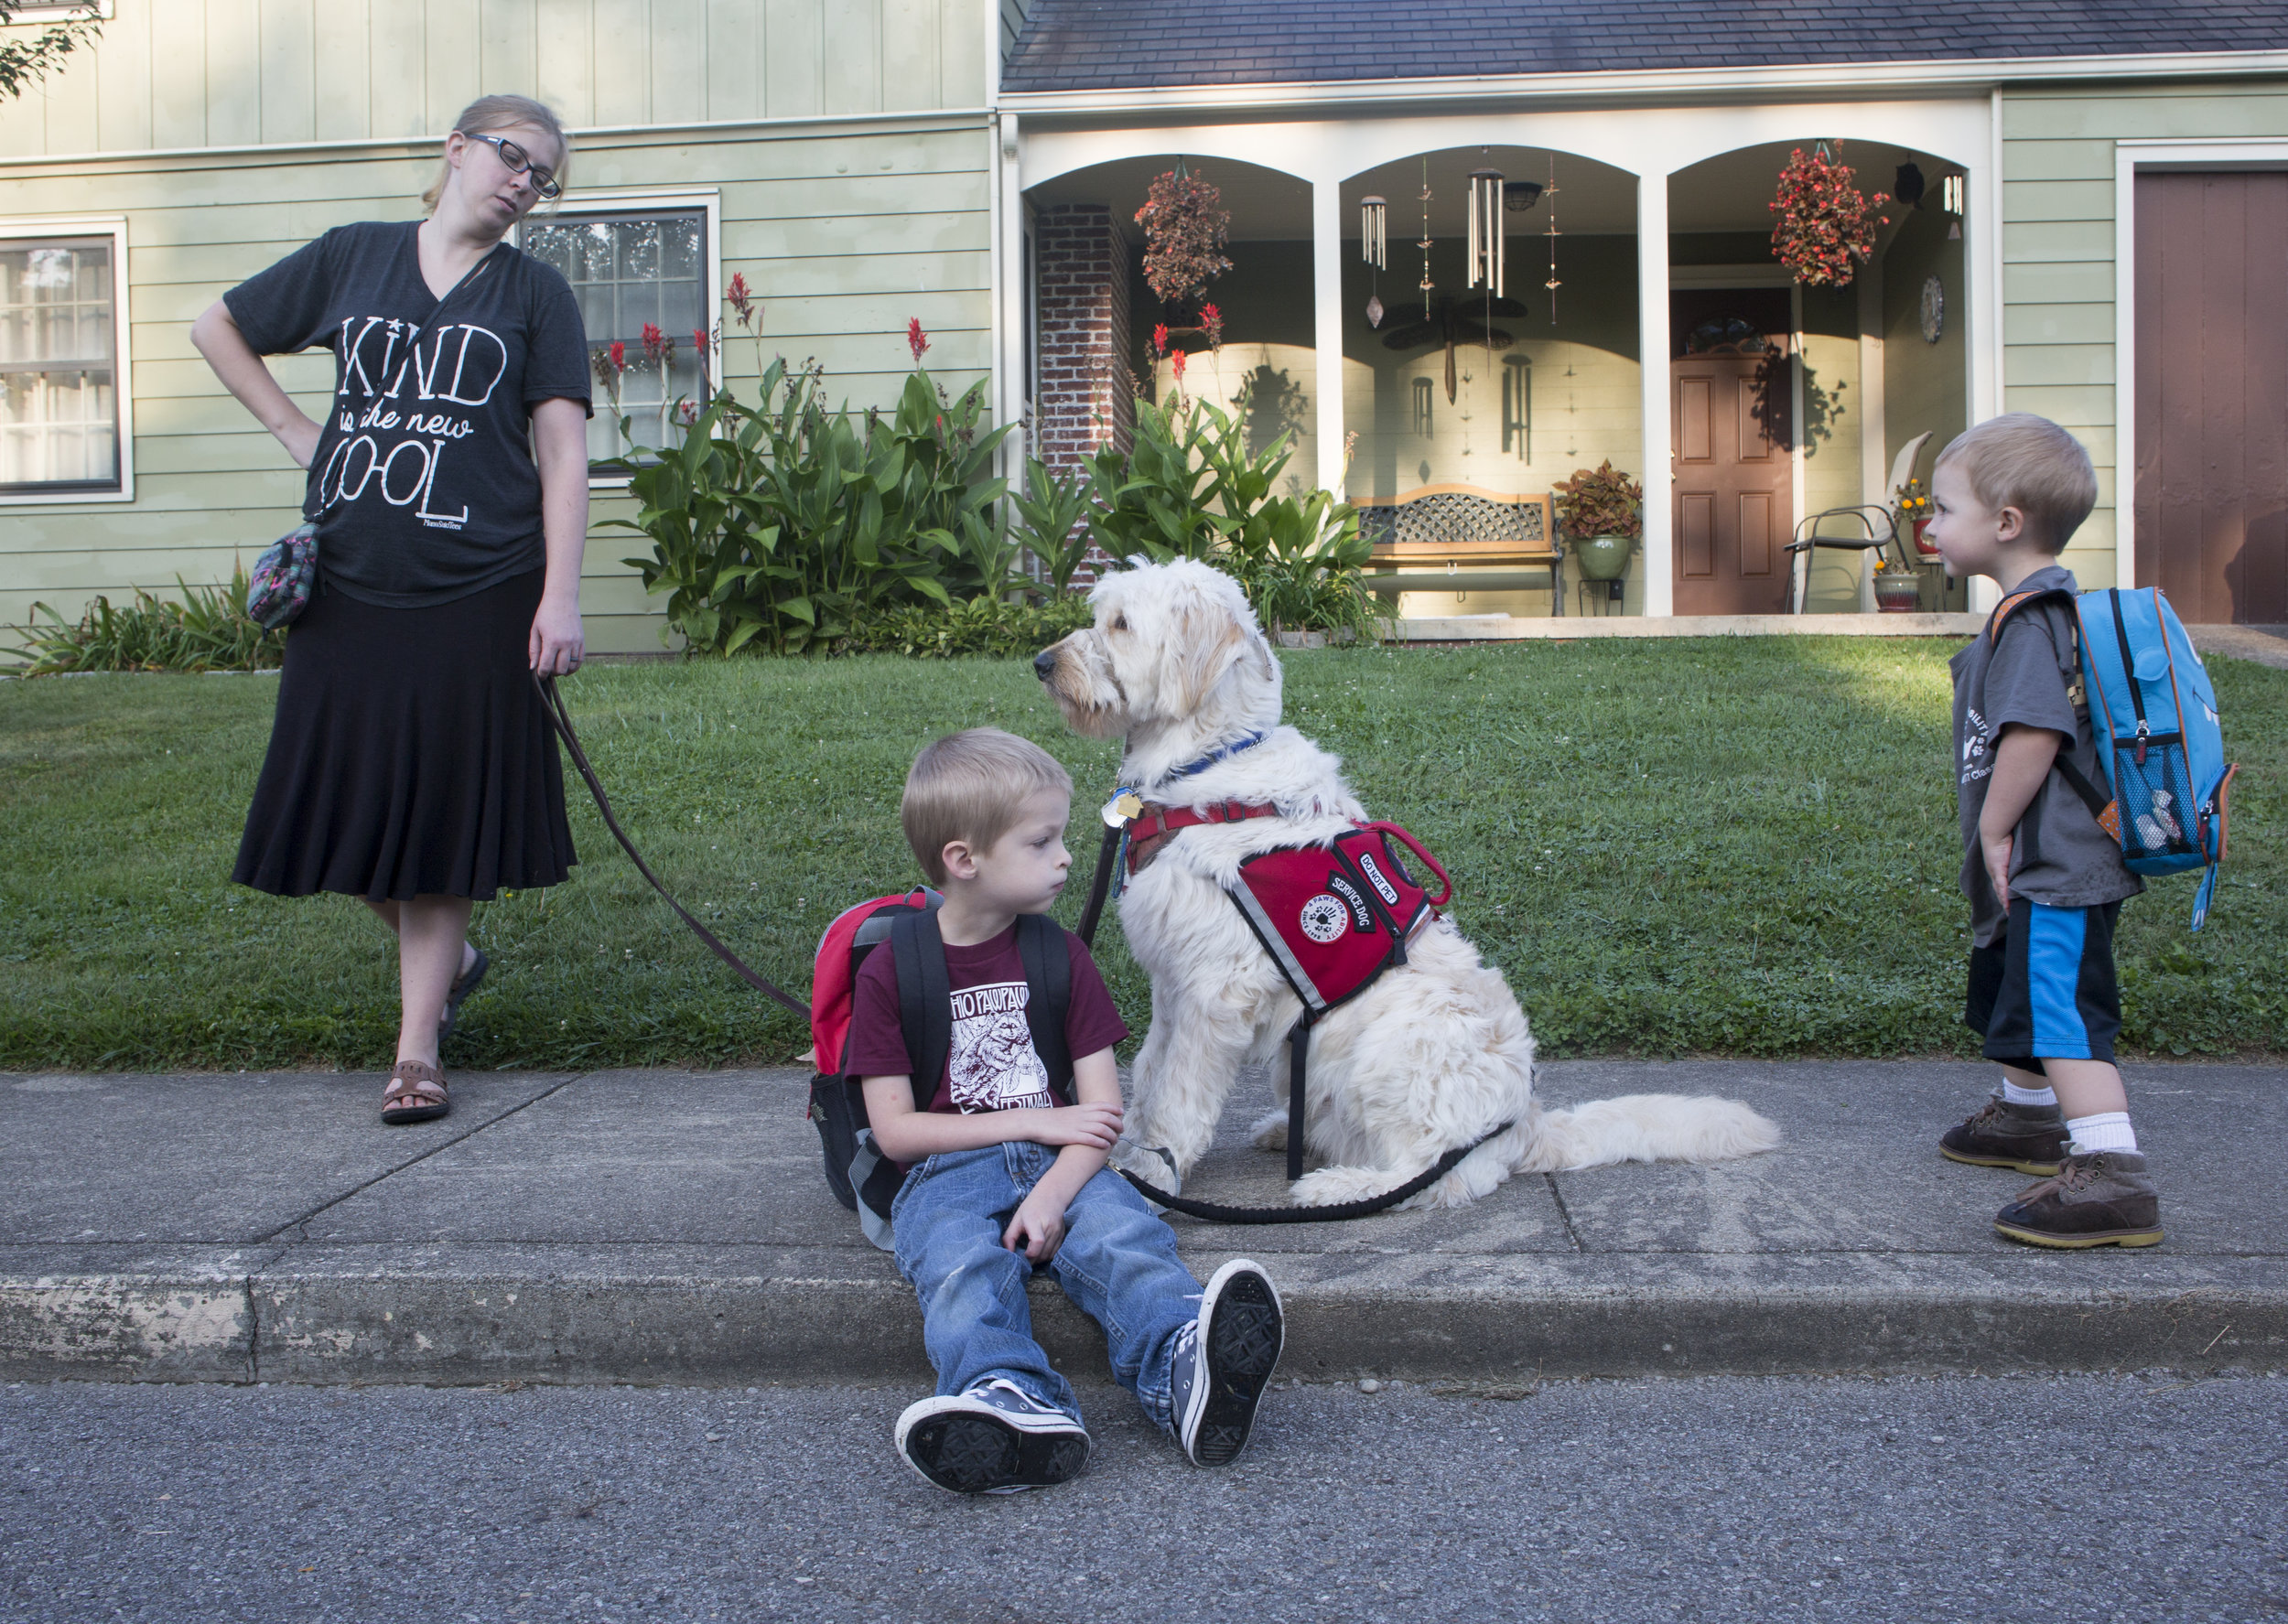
(417,1093)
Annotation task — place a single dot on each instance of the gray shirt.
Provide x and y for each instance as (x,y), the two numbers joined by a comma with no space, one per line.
(2030,675)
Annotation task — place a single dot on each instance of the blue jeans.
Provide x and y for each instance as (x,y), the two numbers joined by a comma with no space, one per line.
(1118,1263)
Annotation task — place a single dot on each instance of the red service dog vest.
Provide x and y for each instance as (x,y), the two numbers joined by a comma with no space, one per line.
(1334,919)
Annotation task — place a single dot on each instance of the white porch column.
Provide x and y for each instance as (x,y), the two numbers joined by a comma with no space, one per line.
(1009,272)
(1326,291)
(1652,348)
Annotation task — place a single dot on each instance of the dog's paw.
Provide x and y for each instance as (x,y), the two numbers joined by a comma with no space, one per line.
(1270,1133)
(1331,1186)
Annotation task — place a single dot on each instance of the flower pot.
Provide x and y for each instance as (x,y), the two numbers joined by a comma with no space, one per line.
(1602,558)
(1898,594)
(1927,549)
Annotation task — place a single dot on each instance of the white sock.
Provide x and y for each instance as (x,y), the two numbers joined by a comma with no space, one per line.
(2108,1130)
(2028,1096)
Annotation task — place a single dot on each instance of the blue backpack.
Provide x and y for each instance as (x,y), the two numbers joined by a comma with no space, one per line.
(2154,713)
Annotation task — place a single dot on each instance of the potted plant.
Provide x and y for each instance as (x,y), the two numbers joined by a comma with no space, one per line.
(1913,510)
(1600,509)
(1898,586)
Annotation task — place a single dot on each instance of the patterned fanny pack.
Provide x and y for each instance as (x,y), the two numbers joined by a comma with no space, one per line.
(279,590)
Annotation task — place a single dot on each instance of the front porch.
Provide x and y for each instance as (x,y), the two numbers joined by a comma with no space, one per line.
(1774,402)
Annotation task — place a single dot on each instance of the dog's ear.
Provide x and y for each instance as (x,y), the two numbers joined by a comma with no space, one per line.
(1206,642)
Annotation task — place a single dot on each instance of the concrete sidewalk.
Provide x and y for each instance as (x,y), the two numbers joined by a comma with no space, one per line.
(671,1226)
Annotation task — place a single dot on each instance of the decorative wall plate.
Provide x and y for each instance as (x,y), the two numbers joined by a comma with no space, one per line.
(1934,309)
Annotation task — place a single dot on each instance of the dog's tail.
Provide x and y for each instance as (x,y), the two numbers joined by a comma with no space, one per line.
(1648,1128)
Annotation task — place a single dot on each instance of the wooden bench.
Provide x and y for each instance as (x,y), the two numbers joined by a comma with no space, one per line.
(1459,538)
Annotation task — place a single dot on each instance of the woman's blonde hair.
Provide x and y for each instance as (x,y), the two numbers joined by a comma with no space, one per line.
(488,114)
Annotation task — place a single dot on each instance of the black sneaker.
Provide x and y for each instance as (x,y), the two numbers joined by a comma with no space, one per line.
(1221,1362)
(2030,1138)
(2098,1199)
(996,1439)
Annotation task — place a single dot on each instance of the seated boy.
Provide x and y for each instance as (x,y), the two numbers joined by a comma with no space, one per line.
(2045,880)
(1008,1180)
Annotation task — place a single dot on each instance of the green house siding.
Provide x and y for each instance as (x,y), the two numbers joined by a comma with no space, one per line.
(2059,284)
(844,232)
(187,73)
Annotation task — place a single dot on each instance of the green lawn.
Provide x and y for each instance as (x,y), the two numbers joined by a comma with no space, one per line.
(1741,847)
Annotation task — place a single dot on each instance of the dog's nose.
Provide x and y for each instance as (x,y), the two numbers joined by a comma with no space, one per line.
(1044,662)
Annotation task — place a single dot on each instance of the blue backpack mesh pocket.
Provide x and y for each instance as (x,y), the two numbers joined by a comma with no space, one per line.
(2156,795)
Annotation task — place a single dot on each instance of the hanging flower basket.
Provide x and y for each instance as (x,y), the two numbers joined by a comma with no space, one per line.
(1184,226)
(1826,223)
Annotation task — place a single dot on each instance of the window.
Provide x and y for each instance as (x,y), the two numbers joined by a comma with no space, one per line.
(63,430)
(636,263)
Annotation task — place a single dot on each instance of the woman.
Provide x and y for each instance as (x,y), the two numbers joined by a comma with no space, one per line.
(410,759)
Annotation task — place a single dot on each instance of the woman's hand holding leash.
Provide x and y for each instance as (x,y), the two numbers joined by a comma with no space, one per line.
(558,644)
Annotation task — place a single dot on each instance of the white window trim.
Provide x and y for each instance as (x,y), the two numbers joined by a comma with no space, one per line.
(2230,152)
(709,198)
(113,226)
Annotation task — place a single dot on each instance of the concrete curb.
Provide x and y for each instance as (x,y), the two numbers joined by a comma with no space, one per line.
(802,1318)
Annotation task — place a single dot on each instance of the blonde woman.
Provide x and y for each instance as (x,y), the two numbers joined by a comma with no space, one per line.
(410,761)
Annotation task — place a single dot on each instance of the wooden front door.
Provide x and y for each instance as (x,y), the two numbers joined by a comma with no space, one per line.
(1734,480)
(2212,393)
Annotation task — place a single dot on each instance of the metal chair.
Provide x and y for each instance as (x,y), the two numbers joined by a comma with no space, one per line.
(1877,528)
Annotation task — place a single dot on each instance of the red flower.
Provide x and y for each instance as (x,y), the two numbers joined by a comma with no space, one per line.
(703,343)
(618,353)
(1213,320)
(1159,340)
(916,339)
(742,300)
(1177,361)
(688,413)
(655,342)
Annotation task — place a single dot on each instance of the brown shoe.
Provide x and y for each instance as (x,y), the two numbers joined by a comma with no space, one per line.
(2098,1199)
(2030,1138)
(417,1093)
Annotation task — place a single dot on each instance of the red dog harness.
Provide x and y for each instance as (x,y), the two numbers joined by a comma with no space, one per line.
(1333,918)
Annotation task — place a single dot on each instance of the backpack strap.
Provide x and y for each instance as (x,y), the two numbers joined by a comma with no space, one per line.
(2102,807)
(925,1012)
(1048,958)
(2016,601)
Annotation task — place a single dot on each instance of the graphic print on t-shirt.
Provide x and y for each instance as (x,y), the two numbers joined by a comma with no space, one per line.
(993,1065)
(409,391)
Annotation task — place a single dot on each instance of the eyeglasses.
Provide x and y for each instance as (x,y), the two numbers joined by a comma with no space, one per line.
(520,162)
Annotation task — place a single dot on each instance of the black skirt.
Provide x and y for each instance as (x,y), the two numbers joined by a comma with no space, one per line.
(410,754)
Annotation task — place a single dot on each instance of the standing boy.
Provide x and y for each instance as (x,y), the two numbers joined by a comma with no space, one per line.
(1010,1178)
(2045,880)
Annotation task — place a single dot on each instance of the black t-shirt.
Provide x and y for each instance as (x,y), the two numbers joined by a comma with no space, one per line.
(423,469)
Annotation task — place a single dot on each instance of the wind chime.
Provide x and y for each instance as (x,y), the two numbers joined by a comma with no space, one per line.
(1374,249)
(1486,241)
(1552,234)
(1425,244)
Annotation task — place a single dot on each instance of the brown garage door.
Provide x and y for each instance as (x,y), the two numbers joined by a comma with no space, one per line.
(2212,393)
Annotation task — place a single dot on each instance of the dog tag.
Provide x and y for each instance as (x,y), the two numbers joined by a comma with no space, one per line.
(1124,807)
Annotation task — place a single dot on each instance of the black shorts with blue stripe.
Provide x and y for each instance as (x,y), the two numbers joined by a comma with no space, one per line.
(2045,988)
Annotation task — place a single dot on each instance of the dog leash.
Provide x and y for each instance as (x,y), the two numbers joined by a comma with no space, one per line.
(560,718)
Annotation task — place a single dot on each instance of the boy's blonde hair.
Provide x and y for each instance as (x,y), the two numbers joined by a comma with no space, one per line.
(2019,460)
(489,116)
(968,786)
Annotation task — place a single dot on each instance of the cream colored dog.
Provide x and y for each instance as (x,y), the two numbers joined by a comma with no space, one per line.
(1432,1056)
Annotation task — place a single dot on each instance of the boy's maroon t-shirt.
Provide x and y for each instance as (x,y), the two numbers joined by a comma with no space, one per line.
(991,1065)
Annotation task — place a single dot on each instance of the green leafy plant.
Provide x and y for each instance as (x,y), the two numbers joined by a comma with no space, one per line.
(785,526)
(207,631)
(1053,521)
(1600,502)
(25,62)
(1189,487)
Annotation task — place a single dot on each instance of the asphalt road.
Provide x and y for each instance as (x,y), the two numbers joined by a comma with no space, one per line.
(2041,1498)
